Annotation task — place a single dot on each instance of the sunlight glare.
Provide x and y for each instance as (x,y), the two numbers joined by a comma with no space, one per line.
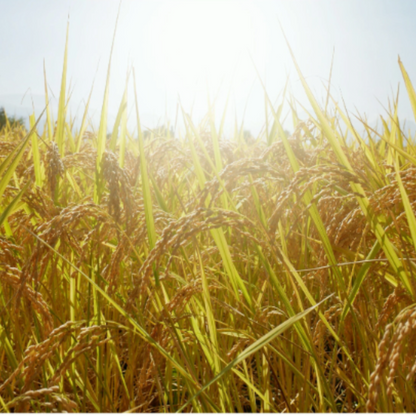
(201,41)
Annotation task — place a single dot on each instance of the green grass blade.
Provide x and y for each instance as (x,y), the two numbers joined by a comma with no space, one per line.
(148,206)
(35,152)
(259,344)
(406,203)
(7,161)
(159,196)
(15,161)
(83,123)
(48,110)
(362,273)
(410,90)
(123,131)
(405,155)
(60,127)
(102,131)
(121,111)
(9,209)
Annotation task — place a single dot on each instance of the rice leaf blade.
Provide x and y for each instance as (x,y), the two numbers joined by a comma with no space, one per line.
(259,344)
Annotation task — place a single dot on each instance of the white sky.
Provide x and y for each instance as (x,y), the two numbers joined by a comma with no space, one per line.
(179,46)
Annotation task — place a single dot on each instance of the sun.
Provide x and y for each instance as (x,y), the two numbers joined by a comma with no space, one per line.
(206,41)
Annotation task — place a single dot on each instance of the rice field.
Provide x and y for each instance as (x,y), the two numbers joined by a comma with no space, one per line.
(198,273)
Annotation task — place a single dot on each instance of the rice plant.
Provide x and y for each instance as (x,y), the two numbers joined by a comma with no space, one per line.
(199,273)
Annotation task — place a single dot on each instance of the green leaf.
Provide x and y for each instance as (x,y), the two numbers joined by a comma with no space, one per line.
(102,131)
(121,111)
(9,209)
(410,90)
(259,344)
(60,127)
(411,220)
(10,164)
(48,110)
(83,123)
(148,207)
(35,153)
(123,135)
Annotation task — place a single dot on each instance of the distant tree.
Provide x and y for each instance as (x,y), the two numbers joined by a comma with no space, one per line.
(4,117)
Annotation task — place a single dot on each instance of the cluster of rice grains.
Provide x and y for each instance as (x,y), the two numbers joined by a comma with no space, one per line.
(97,317)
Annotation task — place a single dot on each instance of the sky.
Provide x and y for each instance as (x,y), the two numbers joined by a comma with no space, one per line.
(195,50)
